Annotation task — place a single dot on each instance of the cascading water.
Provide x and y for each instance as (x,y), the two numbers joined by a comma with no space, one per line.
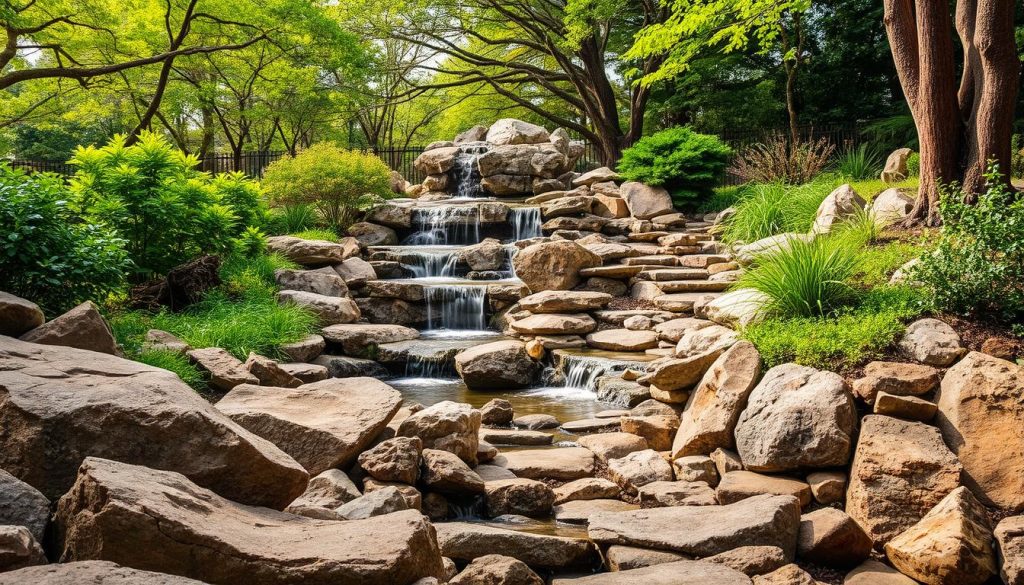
(432,263)
(465,174)
(445,225)
(456,307)
(580,372)
(526,222)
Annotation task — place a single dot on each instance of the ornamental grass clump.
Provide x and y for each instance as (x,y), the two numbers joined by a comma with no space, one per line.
(805,278)
(774,208)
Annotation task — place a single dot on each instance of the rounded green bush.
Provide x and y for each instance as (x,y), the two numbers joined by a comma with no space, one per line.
(687,164)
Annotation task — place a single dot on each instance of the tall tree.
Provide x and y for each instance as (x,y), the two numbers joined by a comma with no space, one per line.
(959,129)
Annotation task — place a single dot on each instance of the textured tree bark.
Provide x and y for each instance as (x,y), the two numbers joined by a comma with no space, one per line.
(959,128)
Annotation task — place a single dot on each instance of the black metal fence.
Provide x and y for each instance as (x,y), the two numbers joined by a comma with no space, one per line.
(842,137)
(254,163)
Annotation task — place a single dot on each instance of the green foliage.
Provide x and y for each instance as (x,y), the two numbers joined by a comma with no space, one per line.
(1016,156)
(878,262)
(291,218)
(152,195)
(770,209)
(48,256)
(241,316)
(173,362)
(914,164)
(894,132)
(338,183)
(977,267)
(686,163)
(724,198)
(317,234)
(252,242)
(860,163)
(804,278)
(849,338)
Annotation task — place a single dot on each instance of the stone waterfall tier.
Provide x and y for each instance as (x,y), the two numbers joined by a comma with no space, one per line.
(582,368)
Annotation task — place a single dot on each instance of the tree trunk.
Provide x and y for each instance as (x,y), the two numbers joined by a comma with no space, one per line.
(959,129)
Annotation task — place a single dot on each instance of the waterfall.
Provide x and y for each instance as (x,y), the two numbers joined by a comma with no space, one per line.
(456,307)
(582,371)
(427,264)
(466,173)
(445,224)
(526,222)
(429,367)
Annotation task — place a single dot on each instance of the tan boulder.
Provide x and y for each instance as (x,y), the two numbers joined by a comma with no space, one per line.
(623,340)
(496,570)
(714,407)
(451,426)
(675,573)
(580,511)
(624,558)
(981,416)
(526,497)
(497,365)
(895,378)
(436,160)
(269,372)
(672,374)
(326,492)
(395,459)
(329,310)
(322,281)
(644,201)
(553,265)
(586,488)
(950,545)
(322,425)
(895,169)
(50,405)
(313,252)
(830,538)
(695,468)
(891,206)
(562,463)
(306,349)
(18,315)
(512,131)
(564,301)
(751,560)
(900,471)
(465,541)
(840,205)
(790,574)
(875,573)
(82,327)
(187,530)
(908,407)
(827,487)
(797,417)
(224,369)
(19,549)
(658,430)
(554,324)
(677,493)
(1009,535)
(91,572)
(445,473)
(612,445)
(931,342)
(361,339)
(639,469)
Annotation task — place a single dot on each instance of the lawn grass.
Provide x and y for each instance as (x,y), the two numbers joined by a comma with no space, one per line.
(317,234)
(241,316)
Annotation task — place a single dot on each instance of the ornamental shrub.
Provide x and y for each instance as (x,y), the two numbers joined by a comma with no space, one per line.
(168,211)
(689,165)
(977,266)
(777,161)
(338,183)
(47,255)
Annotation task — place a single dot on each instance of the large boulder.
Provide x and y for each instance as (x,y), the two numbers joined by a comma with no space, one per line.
(563,463)
(553,265)
(931,342)
(684,572)
(981,416)
(842,204)
(19,549)
(23,505)
(445,473)
(18,315)
(1009,534)
(498,365)
(82,327)
(52,397)
(831,538)
(451,426)
(395,459)
(160,521)
(644,201)
(714,407)
(361,339)
(526,497)
(704,530)
(321,425)
(436,161)
(891,206)
(325,493)
(465,541)
(322,281)
(951,545)
(638,469)
(737,308)
(512,131)
(797,417)
(896,166)
(329,310)
(554,324)
(313,252)
(900,471)
(225,371)
(92,573)
(475,134)
(496,570)
(371,234)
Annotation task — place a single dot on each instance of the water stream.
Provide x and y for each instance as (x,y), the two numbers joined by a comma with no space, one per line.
(466,173)
(445,225)
(457,307)
(526,222)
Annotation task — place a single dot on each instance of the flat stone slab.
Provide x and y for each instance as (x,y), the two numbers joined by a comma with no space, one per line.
(704,530)
(515,437)
(594,425)
(322,425)
(580,511)
(674,274)
(679,302)
(465,541)
(681,286)
(612,271)
(91,572)
(564,463)
(358,338)
(675,573)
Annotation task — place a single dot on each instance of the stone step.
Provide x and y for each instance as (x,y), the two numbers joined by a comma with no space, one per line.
(651,261)
(680,302)
(647,236)
(681,286)
(702,260)
(591,425)
(612,271)
(515,437)
(668,274)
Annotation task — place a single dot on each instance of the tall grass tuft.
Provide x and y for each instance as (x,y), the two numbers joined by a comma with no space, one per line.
(857,164)
(774,208)
(805,278)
